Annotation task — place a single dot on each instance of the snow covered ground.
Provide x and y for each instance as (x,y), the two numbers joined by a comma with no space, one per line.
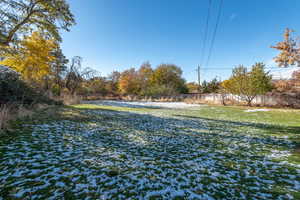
(139,104)
(136,155)
(257,110)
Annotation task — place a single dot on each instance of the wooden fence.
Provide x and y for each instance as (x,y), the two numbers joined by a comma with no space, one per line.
(265,100)
(277,100)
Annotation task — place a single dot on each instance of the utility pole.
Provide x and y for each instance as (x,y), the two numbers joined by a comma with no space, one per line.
(199,82)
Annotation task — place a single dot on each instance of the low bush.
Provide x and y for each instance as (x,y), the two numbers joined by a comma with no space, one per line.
(14,90)
(287,99)
(161,90)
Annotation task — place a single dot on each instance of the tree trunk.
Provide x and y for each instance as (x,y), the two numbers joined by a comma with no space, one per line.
(249,100)
(249,103)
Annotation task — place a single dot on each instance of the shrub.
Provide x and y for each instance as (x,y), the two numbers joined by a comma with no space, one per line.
(14,90)
(161,90)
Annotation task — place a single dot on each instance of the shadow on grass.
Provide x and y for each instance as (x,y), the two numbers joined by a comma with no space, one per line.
(146,122)
(186,125)
(267,128)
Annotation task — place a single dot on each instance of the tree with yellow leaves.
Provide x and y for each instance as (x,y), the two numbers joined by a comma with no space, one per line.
(33,58)
(248,84)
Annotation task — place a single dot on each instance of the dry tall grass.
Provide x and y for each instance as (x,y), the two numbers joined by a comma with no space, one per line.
(71,99)
(22,112)
(10,112)
(5,116)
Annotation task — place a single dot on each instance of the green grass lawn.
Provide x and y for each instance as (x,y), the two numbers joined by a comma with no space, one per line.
(285,117)
(101,151)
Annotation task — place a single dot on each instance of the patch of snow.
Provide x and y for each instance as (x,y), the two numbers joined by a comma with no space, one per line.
(137,104)
(279,154)
(257,110)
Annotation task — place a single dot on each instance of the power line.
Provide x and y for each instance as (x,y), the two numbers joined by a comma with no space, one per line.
(205,32)
(230,68)
(215,32)
(221,69)
(204,43)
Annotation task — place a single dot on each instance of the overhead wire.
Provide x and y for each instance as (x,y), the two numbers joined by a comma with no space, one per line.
(205,32)
(215,32)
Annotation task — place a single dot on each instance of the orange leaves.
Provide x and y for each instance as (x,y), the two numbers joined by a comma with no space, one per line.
(129,82)
(289,51)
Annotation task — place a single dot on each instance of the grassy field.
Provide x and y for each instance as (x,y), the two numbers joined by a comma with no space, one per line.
(127,151)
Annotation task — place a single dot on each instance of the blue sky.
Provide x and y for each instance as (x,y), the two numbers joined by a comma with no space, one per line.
(119,34)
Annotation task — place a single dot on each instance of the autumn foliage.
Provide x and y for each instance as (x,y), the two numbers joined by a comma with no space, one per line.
(129,82)
(33,59)
(248,84)
(289,50)
(164,80)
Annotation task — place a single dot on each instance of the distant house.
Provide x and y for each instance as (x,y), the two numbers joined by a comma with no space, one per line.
(284,73)
(287,82)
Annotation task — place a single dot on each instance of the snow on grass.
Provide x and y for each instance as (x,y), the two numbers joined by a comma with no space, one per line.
(127,155)
(257,110)
(279,154)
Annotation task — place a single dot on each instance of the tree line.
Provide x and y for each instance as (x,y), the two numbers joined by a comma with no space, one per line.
(43,66)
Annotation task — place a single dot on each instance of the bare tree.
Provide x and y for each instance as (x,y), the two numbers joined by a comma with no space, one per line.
(76,75)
